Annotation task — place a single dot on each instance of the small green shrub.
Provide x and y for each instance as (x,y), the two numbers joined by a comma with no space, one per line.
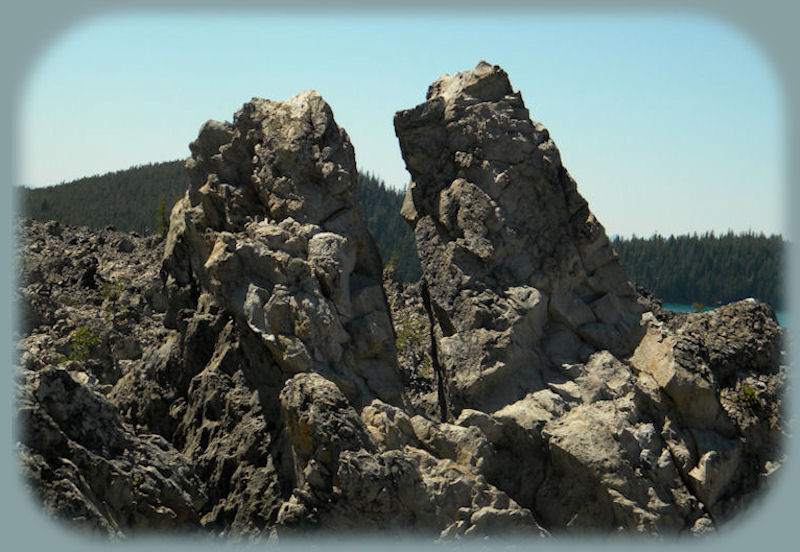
(426,368)
(411,333)
(393,260)
(747,397)
(81,345)
(111,294)
(67,300)
(411,339)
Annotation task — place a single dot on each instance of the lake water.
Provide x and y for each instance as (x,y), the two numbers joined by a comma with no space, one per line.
(783,316)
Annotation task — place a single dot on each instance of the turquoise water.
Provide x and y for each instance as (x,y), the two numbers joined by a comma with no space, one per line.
(783,316)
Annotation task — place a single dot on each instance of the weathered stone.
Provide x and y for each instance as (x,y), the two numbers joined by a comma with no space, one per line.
(598,408)
(86,465)
(390,426)
(417,492)
(256,389)
(320,422)
(271,229)
(494,213)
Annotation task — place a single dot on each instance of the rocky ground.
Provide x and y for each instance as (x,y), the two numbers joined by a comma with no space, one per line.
(95,294)
(258,373)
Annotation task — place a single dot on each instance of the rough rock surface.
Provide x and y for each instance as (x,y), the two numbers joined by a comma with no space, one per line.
(85,317)
(271,231)
(521,274)
(255,382)
(413,330)
(545,345)
(79,281)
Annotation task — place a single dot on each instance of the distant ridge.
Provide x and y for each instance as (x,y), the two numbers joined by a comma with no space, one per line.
(129,200)
(706,268)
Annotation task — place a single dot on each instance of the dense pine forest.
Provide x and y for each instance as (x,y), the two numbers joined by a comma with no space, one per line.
(128,200)
(705,268)
(393,236)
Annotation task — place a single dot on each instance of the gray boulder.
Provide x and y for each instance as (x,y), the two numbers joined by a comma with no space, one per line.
(384,471)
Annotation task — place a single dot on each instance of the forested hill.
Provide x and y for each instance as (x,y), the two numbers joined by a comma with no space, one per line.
(706,268)
(128,200)
(138,198)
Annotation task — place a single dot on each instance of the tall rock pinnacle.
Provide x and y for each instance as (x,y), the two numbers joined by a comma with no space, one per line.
(271,230)
(509,249)
(538,331)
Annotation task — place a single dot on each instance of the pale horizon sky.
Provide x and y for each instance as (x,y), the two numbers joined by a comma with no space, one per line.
(669,124)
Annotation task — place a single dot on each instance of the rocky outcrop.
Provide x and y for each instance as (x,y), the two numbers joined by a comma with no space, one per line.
(600,415)
(269,273)
(87,295)
(521,274)
(90,467)
(256,383)
(385,471)
(271,231)
(277,342)
(722,376)
(86,316)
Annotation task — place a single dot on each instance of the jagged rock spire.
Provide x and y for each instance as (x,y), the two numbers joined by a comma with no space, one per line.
(520,272)
(271,230)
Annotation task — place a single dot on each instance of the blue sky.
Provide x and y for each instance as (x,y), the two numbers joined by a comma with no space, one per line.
(670,123)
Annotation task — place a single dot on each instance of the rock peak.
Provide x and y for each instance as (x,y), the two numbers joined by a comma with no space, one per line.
(271,231)
(486,82)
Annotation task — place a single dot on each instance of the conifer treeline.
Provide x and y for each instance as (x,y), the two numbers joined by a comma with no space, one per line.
(393,236)
(708,269)
(128,199)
